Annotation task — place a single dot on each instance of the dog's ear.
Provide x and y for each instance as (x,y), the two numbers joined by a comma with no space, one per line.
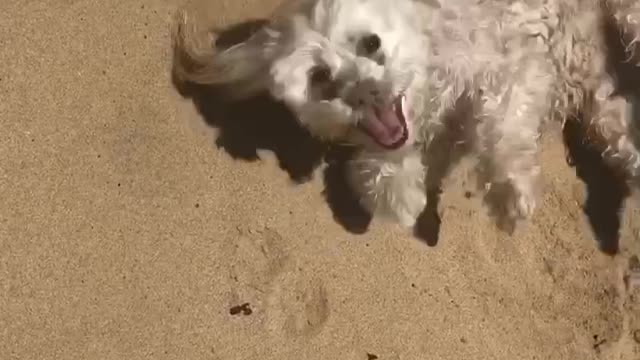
(238,57)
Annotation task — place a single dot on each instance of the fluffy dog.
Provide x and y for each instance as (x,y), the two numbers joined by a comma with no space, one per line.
(416,85)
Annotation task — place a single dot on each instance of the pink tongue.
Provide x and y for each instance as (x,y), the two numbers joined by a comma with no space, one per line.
(383,125)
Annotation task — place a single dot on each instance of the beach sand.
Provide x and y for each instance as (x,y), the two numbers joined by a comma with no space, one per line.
(126,233)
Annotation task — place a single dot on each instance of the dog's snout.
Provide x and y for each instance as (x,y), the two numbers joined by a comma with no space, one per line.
(364,83)
(366,92)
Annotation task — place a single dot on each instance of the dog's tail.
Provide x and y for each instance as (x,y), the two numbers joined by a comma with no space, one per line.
(201,56)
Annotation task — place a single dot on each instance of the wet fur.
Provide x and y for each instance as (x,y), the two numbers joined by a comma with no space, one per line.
(483,78)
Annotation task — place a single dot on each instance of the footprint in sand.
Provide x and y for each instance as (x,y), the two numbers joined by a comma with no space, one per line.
(627,344)
(632,274)
(631,305)
(297,306)
(293,302)
(258,256)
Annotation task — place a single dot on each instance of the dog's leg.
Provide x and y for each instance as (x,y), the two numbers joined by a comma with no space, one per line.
(508,137)
(626,15)
(449,145)
(602,156)
(391,185)
(622,40)
(608,131)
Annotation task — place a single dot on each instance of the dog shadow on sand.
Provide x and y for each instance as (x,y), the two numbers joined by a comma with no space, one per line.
(261,123)
(606,186)
(606,189)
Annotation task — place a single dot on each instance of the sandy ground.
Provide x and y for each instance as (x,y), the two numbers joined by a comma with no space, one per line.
(125,233)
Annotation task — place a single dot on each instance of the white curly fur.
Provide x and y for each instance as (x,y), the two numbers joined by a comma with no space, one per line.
(478,77)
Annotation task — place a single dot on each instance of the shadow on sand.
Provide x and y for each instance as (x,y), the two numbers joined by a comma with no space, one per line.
(606,185)
(261,123)
(606,188)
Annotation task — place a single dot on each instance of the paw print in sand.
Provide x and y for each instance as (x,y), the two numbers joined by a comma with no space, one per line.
(298,306)
(260,256)
(632,276)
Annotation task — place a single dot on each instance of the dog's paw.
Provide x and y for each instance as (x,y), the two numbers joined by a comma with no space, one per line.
(525,204)
(509,204)
(406,205)
(406,219)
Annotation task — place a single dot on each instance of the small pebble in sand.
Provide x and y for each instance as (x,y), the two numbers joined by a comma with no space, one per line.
(244,309)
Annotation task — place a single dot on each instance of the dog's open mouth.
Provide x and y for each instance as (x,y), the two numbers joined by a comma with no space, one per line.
(387,124)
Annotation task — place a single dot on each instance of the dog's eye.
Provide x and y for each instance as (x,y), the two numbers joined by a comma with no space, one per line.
(370,44)
(319,74)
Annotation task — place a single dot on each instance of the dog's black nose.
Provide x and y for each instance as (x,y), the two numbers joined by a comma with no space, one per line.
(370,44)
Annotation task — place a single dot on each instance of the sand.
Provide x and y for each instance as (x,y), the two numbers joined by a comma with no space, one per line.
(126,233)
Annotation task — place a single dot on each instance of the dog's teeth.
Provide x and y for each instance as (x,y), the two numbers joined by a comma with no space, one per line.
(403,104)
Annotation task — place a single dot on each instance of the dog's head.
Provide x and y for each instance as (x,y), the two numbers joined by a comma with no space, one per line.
(351,70)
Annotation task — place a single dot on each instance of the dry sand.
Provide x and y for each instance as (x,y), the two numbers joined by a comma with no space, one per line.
(126,234)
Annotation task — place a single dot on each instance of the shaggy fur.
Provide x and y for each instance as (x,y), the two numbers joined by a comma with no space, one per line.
(439,80)
(615,125)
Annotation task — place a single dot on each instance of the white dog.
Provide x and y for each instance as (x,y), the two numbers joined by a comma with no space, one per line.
(417,83)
